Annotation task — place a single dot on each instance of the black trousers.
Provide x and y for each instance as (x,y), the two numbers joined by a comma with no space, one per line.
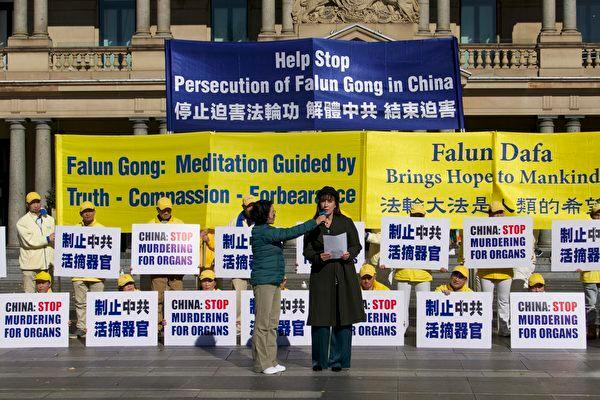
(331,346)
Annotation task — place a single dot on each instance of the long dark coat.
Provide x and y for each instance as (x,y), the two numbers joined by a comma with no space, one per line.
(331,304)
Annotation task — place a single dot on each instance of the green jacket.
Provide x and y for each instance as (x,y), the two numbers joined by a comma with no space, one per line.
(267,249)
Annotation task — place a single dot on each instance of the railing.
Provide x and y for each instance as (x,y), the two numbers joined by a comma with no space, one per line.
(90,59)
(590,55)
(3,59)
(498,56)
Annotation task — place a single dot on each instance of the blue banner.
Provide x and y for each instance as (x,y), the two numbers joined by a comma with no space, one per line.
(313,84)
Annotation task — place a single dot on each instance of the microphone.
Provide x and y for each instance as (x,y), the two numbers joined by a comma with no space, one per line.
(322,213)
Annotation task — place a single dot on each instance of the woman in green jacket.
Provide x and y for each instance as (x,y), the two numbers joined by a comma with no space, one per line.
(268,271)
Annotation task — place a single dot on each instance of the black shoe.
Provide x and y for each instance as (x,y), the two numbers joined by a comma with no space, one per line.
(336,369)
(317,368)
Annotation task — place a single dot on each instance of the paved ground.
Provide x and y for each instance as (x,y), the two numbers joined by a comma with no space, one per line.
(377,373)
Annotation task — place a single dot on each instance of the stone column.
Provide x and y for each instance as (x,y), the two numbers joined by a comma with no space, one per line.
(43,158)
(140,126)
(162,126)
(546,124)
(574,123)
(443,17)
(287,25)
(569,16)
(163,16)
(20,19)
(16,179)
(268,17)
(549,16)
(40,19)
(142,17)
(424,17)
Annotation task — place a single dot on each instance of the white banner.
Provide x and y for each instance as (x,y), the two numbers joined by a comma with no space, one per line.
(547,321)
(165,249)
(575,245)
(34,320)
(200,318)
(292,330)
(87,252)
(502,242)
(2,252)
(304,265)
(122,319)
(419,243)
(233,252)
(456,321)
(385,324)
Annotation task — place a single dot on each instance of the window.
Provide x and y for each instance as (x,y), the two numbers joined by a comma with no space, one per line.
(5,22)
(588,20)
(478,21)
(117,22)
(229,20)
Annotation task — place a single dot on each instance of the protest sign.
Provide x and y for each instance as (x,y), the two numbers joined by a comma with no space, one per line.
(2,252)
(505,242)
(122,319)
(547,321)
(165,249)
(419,243)
(304,265)
(385,320)
(34,320)
(576,245)
(460,320)
(313,84)
(292,329)
(233,252)
(87,252)
(200,318)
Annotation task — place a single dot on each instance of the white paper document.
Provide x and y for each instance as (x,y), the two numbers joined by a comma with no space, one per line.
(335,244)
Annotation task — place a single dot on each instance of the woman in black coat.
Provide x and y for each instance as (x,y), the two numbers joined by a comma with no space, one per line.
(335,299)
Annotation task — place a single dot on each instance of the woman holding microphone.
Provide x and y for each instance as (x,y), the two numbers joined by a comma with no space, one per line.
(335,299)
(268,272)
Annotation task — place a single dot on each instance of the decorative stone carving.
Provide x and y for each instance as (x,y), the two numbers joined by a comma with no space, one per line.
(367,11)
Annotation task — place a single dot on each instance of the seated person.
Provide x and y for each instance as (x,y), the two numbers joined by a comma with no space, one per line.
(458,281)
(368,279)
(43,282)
(536,283)
(126,283)
(207,280)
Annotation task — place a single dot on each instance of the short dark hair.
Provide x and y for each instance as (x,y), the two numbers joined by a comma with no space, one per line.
(260,211)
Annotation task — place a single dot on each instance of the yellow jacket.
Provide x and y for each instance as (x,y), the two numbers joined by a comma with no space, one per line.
(590,277)
(173,220)
(94,224)
(35,251)
(413,275)
(207,252)
(449,288)
(498,274)
(379,286)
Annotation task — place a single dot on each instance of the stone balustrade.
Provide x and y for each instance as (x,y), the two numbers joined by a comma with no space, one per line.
(498,56)
(90,59)
(3,61)
(590,55)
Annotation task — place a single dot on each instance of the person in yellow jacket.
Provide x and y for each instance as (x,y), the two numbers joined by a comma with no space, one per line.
(536,283)
(207,253)
(160,283)
(35,232)
(83,285)
(500,278)
(368,279)
(43,282)
(591,288)
(458,281)
(126,283)
(208,280)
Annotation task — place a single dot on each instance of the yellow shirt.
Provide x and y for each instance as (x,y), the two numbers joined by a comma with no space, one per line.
(449,288)
(379,286)
(413,275)
(207,252)
(173,220)
(498,274)
(94,224)
(590,277)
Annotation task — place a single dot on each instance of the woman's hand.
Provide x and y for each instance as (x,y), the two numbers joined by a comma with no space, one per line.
(320,219)
(382,266)
(443,269)
(345,256)
(325,256)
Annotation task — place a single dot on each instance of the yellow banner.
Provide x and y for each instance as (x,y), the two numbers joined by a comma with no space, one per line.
(205,174)
(454,175)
